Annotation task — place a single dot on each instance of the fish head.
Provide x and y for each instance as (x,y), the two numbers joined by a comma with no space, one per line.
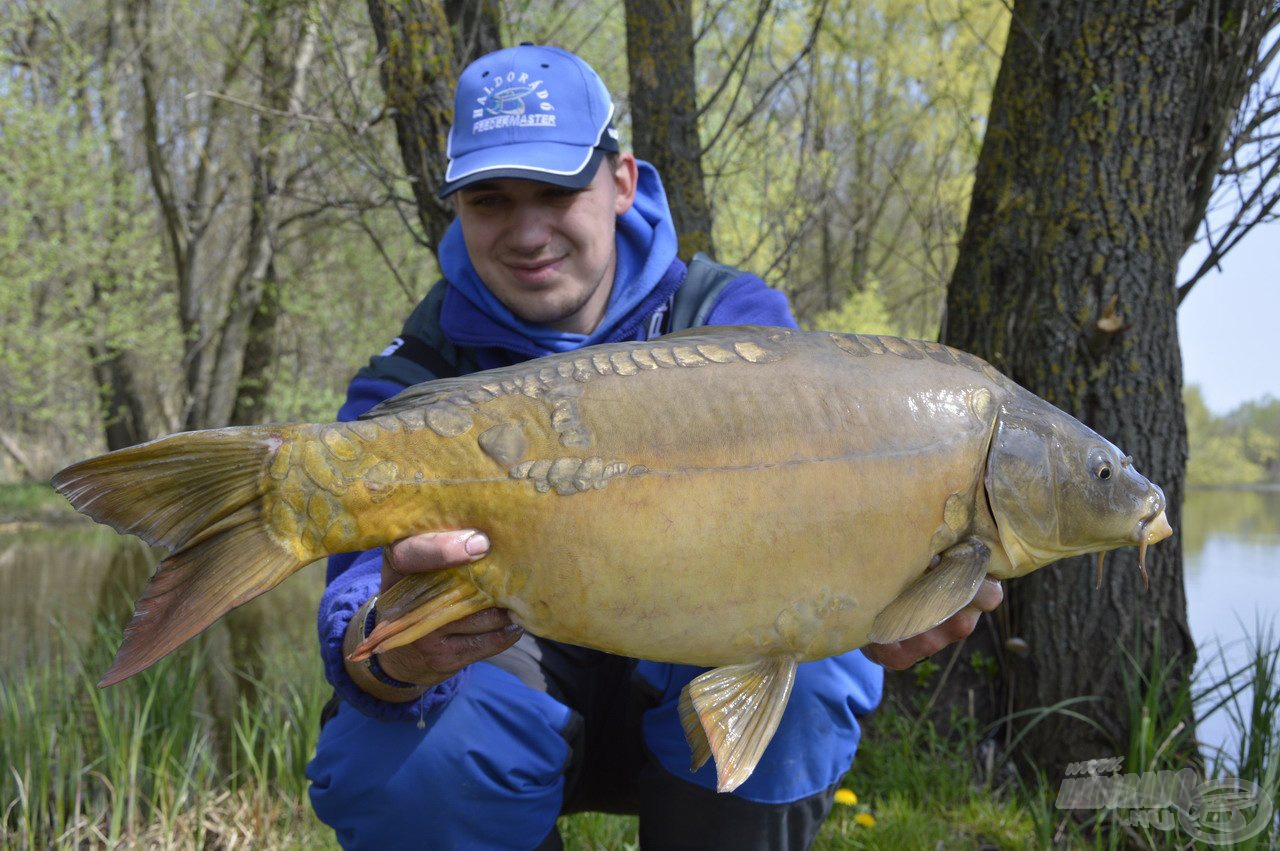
(1057,489)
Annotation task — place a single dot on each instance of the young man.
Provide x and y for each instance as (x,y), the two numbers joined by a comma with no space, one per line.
(478,735)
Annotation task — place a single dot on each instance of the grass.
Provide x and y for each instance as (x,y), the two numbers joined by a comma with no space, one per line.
(141,764)
(145,764)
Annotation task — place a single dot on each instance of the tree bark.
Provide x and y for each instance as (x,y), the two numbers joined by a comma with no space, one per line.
(424,45)
(664,112)
(1066,282)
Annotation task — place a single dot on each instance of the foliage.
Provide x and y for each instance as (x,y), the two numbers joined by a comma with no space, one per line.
(77,259)
(133,766)
(861,312)
(849,165)
(86,270)
(1242,447)
(19,501)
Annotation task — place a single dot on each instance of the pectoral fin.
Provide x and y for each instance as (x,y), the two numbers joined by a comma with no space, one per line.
(731,713)
(936,596)
(421,603)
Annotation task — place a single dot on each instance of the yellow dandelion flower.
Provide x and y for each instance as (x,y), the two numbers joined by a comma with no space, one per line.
(846,797)
(865,819)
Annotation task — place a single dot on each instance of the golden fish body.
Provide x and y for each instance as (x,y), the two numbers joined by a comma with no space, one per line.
(743,497)
(707,512)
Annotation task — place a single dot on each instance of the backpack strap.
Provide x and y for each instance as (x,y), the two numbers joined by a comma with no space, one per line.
(692,303)
(422,351)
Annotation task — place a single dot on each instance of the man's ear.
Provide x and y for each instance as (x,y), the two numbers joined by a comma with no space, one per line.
(625,178)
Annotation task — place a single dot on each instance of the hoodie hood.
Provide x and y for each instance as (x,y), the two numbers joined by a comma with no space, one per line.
(645,276)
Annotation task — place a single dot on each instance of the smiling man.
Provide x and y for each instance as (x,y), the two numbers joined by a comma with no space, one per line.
(478,735)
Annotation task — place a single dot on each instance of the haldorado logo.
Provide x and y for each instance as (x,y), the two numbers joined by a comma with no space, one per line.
(511,100)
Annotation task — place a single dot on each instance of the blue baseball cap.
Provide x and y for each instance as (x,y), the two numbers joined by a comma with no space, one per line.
(533,112)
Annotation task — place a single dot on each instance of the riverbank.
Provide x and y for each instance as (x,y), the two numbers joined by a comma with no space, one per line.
(27,503)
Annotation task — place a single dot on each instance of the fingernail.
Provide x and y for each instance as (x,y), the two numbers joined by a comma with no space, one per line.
(477,545)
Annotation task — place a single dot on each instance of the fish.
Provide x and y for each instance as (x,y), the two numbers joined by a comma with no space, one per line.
(741,499)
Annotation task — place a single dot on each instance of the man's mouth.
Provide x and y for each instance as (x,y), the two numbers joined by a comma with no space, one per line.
(534,272)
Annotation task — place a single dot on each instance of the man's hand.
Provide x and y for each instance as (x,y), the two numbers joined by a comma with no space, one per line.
(900,655)
(439,655)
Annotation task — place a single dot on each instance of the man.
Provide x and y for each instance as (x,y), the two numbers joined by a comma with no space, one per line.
(478,735)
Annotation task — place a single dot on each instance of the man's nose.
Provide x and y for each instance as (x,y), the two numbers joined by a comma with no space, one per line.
(530,228)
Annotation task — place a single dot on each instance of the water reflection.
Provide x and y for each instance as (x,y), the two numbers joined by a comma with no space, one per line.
(67,576)
(1242,515)
(1232,569)
(57,581)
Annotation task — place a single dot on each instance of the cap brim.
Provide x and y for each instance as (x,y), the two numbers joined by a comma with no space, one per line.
(566,167)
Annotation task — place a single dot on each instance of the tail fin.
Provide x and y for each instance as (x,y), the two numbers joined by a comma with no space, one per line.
(200,495)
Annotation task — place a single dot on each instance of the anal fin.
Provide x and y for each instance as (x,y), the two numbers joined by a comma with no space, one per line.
(731,713)
(936,596)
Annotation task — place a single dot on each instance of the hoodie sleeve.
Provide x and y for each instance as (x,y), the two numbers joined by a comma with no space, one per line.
(747,300)
(351,579)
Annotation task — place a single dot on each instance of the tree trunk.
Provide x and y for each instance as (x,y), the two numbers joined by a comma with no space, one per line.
(187,216)
(123,411)
(1066,282)
(425,44)
(664,112)
(259,355)
(123,419)
(241,377)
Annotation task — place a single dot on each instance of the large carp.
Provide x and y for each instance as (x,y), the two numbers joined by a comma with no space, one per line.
(741,498)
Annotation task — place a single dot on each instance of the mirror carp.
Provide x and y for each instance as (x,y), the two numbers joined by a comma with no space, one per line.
(742,499)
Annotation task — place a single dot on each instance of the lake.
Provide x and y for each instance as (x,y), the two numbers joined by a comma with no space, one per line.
(74,572)
(1231,565)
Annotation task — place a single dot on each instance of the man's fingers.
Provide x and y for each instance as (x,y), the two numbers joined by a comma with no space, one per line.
(438,656)
(435,550)
(990,595)
(488,620)
(463,649)
(891,655)
(431,551)
(900,655)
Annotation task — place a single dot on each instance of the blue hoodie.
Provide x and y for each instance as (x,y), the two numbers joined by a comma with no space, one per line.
(648,273)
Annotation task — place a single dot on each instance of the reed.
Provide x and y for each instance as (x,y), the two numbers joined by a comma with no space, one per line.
(139,765)
(1247,691)
(136,764)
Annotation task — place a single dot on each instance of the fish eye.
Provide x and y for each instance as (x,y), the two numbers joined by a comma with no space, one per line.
(1102,464)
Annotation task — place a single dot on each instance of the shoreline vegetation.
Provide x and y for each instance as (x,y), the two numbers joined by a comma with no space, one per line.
(156,762)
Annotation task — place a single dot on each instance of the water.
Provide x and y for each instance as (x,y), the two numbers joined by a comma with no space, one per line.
(56,581)
(69,574)
(1231,552)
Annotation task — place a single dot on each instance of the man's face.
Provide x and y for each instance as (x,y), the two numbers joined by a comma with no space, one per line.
(546,252)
